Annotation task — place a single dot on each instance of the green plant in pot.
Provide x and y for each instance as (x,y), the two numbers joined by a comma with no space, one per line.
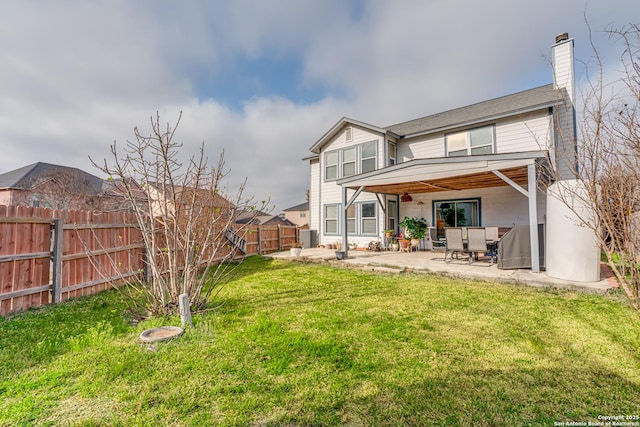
(415,228)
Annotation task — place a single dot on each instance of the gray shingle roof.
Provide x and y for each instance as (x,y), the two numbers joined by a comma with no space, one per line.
(301,207)
(527,100)
(30,176)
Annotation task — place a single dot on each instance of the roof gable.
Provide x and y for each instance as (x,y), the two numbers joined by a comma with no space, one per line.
(335,129)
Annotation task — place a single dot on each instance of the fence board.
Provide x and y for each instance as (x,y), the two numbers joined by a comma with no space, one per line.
(96,250)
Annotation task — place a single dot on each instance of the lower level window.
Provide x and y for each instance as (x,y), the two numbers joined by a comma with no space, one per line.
(351,219)
(368,218)
(331,219)
(456,213)
(361,218)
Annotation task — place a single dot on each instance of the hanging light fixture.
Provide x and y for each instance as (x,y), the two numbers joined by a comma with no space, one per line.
(406,197)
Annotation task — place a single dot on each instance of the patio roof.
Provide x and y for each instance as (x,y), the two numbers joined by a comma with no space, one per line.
(453,173)
(447,174)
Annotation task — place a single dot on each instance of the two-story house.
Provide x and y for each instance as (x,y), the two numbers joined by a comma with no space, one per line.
(471,166)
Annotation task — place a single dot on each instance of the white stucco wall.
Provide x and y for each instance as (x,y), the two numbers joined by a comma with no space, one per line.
(572,250)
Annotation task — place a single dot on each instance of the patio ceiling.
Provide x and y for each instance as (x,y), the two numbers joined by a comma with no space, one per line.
(447,174)
(461,182)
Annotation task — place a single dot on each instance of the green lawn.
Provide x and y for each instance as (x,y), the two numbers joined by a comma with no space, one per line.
(297,344)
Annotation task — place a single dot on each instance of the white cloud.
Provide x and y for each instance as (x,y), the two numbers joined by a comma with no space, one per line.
(75,76)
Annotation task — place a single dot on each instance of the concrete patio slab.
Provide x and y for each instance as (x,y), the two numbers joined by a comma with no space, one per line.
(433,262)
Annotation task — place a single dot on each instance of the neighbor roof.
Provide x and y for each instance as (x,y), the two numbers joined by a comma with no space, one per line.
(30,176)
(301,207)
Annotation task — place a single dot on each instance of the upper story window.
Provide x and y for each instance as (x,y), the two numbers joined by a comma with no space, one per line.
(350,160)
(392,153)
(471,142)
(368,157)
(331,165)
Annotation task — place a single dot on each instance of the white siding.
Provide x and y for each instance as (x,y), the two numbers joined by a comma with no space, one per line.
(563,77)
(524,133)
(501,206)
(421,148)
(314,195)
(563,74)
(331,193)
(528,132)
(360,135)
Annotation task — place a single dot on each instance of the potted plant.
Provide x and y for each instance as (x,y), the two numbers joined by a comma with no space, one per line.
(403,242)
(353,246)
(388,233)
(415,228)
(394,244)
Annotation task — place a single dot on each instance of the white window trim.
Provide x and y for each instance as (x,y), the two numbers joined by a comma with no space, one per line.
(374,157)
(389,158)
(337,165)
(337,219)
(358,160)
(360,219)
(468,145)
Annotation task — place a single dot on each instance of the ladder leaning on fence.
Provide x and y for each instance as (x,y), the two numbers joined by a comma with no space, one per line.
(236,240)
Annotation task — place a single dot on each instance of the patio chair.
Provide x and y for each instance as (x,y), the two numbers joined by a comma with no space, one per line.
(492,235)
(476,241)
(453,242)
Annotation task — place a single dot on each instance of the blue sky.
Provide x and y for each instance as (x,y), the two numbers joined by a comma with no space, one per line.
(263,80)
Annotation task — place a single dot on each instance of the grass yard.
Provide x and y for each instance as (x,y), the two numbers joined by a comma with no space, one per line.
(297,344)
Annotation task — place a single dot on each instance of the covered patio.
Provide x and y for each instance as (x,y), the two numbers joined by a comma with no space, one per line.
(433,262)
(520,170)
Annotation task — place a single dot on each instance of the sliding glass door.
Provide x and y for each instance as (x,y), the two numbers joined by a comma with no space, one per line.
(456,213)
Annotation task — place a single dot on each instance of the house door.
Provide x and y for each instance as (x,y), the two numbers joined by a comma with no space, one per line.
(392,215)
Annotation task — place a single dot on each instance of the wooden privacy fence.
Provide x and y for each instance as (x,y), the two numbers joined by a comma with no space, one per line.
(48,256)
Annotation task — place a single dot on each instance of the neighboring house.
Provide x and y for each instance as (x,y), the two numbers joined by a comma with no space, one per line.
(298,214)
(261,218)
(57,187)
(471,166)
(167,201)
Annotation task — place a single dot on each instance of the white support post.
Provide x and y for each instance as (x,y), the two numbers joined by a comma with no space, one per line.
(345,238)
(533,218)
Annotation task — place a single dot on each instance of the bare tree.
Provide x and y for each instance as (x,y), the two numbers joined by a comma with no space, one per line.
(607,162)
(186,218)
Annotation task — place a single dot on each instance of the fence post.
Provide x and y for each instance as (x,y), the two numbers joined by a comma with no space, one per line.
(56,286)
(279,239)
(259,241)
